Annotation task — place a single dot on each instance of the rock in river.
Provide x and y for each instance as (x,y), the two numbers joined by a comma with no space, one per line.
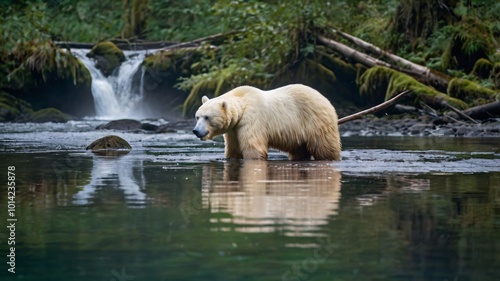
(110,145)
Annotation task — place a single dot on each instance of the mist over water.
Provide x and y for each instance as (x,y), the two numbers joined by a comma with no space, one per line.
(117,96)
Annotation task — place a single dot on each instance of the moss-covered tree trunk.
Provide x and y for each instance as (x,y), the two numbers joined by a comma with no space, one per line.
(416,19)
(134,18)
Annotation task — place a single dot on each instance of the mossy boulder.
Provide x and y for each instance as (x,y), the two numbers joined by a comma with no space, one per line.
(470,92)
(482,69)
(13,109)
(382,83)
(48,115)
(110,146)
(108,56)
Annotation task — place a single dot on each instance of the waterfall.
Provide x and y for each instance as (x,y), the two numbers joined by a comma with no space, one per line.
(116,96)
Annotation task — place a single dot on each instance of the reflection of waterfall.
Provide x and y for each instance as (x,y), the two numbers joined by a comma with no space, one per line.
(114,171)
(263,196)
(116,96)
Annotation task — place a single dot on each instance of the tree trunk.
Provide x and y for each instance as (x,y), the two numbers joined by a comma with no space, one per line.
(135,13)
(351,53)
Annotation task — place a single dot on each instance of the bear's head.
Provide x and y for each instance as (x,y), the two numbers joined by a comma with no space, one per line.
(212,118)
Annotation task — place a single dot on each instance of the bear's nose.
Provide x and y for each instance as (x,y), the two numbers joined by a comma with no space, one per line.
(197,133)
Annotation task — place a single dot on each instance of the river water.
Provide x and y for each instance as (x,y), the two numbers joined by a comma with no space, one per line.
(394,208)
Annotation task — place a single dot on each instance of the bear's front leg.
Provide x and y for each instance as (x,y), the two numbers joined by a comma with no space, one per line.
(232,148)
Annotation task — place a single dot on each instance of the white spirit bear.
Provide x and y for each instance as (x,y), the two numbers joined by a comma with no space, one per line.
(295,119)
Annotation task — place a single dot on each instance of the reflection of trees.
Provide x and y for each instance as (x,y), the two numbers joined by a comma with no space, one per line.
(450,230)
(114,172)
(264,196)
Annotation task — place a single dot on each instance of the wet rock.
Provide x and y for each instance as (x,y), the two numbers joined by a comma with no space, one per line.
(165,128)
(48,115)
(122,124)
(461,131)
(110,146)
(419,128)
(444,131)
(149,127)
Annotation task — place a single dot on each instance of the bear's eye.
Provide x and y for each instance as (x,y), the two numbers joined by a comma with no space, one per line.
(206,118)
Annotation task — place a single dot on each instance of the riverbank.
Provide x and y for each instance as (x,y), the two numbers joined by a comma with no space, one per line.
(418,126)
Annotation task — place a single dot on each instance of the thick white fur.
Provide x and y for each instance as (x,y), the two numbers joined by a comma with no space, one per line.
(295,118)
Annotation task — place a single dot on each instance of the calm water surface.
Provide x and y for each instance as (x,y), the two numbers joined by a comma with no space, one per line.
(394,208)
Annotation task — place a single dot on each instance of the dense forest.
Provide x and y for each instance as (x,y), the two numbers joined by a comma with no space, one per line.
(355,52)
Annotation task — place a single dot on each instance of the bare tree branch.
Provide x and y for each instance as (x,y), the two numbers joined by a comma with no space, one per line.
(373,109)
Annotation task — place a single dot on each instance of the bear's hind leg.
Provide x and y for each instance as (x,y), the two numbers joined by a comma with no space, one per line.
(254,154)
(300,154)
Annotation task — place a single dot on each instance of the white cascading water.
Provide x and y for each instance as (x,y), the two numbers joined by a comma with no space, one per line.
(114,96)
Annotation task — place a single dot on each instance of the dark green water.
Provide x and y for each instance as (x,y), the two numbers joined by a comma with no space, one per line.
(393,209)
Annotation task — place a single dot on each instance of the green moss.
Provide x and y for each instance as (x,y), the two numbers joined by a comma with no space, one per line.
(83,75)
(482,68)
(41,62)
(384,83)
(48,115)
(109,57)
(469,91)
(496,75)
(12,109)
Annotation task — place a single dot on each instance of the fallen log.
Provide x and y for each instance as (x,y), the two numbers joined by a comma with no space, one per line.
(204,39)
(421,73)
(123,45)
(373,109)
(483,112)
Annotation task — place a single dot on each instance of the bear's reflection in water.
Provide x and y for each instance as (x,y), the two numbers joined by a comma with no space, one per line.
(267,196)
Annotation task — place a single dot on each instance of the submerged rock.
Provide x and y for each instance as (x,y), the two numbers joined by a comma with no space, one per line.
(48,115)
(110,146)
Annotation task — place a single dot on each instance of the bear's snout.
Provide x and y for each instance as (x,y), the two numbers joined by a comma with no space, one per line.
(199,133)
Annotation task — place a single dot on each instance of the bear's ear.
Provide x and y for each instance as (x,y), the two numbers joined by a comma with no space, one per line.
(204,99)
(223,105)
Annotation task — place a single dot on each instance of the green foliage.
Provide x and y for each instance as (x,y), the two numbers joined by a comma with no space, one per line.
(273,38)
(42,61)
(468,42)
(467,31)
(84,21)
(181,20)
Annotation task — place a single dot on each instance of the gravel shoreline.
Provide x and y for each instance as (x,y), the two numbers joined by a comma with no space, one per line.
(418,126)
